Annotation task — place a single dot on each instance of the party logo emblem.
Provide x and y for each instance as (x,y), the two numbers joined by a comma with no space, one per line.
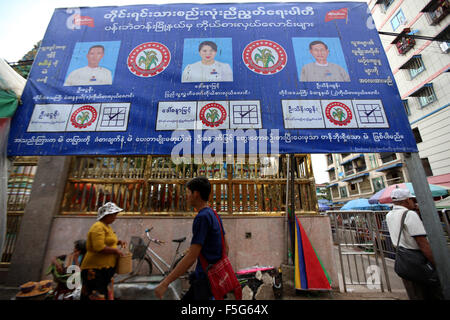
(83,117)
(148,59)
(264,57)
(338,113)
(213,115)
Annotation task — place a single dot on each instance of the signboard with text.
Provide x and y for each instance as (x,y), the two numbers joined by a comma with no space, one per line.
(147,79)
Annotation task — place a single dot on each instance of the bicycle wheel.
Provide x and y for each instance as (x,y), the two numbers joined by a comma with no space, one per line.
(142,267)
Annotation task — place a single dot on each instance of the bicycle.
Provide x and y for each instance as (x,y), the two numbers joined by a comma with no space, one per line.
(141,252)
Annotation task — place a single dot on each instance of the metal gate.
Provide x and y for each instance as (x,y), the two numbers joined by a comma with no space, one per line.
(362,241)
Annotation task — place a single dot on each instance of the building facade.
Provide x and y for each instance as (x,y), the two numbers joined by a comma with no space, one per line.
(358,175)
(421,71)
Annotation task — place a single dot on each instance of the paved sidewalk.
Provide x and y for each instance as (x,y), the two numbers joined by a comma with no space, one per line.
(336,295)
(7,293)
(355,292)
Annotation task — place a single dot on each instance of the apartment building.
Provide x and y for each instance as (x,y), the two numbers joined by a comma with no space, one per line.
(358,175)
(421,71)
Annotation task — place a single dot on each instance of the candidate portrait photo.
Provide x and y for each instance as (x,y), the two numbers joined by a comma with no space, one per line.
(320,60)
(207,60)
(92,63)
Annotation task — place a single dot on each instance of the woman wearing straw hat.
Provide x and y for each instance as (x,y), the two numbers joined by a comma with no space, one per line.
(99,265)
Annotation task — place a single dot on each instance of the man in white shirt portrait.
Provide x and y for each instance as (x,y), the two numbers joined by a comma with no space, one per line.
(92,74)
(413,237)
(321,70)
(207,69)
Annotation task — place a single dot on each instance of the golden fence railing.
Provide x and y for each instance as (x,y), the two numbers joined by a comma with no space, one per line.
(20,181)
(154,185)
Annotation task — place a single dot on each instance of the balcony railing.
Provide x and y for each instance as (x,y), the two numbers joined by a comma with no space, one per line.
(360,169)
(405,44)
(349,172)
(392,181)
(438,14)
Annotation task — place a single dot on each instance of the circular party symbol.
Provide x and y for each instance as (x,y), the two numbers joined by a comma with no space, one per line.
(213,115)
(148,59)
(264,57)
(83,117)
(338,113)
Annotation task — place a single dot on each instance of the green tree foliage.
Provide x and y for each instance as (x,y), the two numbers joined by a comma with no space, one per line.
(23,66)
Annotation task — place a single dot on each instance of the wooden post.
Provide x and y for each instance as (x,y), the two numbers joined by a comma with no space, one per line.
(292,195)
(229,188)
(430,219)
(286,219)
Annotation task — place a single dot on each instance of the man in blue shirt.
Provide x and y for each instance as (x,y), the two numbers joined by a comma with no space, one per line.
(206,239)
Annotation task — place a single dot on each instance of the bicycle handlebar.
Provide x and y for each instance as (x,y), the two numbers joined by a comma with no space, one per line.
(147,233)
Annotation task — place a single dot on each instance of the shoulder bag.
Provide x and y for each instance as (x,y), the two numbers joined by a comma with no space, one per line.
(412,265)
(221,276)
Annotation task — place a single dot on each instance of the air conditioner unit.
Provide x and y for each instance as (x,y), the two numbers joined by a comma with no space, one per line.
(445,46)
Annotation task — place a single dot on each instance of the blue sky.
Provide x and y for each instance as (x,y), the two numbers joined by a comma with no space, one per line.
(24,22)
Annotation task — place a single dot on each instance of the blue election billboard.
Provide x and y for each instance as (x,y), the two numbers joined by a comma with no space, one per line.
(184,78)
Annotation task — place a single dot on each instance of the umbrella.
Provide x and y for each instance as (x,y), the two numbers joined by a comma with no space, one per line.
(324,201)
(363,204)
(309,273)
(443,204)
(323,207)
(384,195)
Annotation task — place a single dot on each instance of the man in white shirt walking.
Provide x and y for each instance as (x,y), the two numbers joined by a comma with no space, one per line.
(321,70)
(413,237)
(92,74)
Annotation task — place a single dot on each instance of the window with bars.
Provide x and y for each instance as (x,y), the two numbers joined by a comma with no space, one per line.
(343,192)
(398,19)
(426,96)
(388,157)
(332,174)
(378,184)
(406,106)
(353,189)
(415,66)
(334,192)
(436,11)
(385,4)
(427,167)
(329,159)
(417,135)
